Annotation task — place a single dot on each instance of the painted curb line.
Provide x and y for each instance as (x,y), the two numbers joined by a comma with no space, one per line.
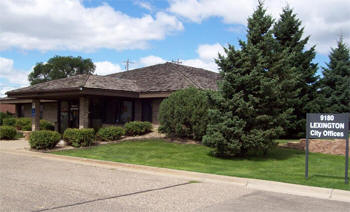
(255,184)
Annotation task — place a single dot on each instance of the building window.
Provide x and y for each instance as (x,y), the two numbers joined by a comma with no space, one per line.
(126,111)
(117,111)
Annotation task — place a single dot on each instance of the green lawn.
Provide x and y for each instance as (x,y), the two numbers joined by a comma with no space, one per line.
(284,165)
(284,141)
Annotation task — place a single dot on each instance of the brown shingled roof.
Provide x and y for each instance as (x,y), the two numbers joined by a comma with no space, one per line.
(170,77)
(78,82)
(157,78)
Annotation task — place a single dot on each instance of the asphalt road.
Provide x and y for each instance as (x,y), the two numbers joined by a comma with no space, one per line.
(34,184)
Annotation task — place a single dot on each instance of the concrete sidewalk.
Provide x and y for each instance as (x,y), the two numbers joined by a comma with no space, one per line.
(263,185)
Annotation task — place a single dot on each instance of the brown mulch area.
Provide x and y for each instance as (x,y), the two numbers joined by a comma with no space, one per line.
(333,147)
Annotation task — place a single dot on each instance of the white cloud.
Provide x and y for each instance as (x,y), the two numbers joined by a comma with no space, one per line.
(68,25)
(324,20)
(198,63)
(3,90)
(235,11)
(151,60)
(144,4)
(207,53)
(206,58)
(210,52)
(12,76)
(106,67)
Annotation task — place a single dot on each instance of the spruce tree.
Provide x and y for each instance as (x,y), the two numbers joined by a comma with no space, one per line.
(289,34)
(248,112)
(335,84)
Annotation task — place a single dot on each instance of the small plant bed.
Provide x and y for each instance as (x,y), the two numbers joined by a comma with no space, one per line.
(283,165)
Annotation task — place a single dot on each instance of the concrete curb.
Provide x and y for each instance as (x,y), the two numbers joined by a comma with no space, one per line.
(263,185)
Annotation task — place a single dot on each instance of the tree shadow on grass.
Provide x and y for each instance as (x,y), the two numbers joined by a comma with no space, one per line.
(275,154)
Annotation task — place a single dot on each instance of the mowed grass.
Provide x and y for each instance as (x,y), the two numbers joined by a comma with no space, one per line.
(284,141)
(284,165)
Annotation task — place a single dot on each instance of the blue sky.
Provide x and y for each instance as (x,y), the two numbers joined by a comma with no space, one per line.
(145,31)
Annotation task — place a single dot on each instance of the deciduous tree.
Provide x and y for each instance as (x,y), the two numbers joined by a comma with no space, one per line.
(60,67)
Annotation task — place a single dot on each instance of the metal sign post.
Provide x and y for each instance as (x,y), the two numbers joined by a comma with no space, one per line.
(307,148)
(347,160)
(333,126)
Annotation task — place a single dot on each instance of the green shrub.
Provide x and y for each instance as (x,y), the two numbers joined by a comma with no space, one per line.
(137,128)
(4,115)
(44,139)
(19,135)
(8,132)
(24,124)
(79,137)
(184,114)
(110,133)
(46,125)
(11,121)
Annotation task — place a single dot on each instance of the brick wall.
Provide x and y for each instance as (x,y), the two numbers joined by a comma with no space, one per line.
(49,111)
(7,108)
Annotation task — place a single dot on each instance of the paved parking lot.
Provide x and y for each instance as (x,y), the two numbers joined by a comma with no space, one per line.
(35,184)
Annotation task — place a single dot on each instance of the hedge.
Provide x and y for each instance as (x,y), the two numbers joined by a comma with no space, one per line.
(4,116)
(137,128)
(8,132)
(110,133)
(46,125)
(184,114)
(24,124)
(44,139)
(9,121)
(79,137)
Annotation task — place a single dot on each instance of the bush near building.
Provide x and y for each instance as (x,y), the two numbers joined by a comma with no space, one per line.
(11,121)
(3,116)
(79,137)
(24,124)
(46,125)
(8,132)
(110,133)
(134,128)
(44,139)
(184,114)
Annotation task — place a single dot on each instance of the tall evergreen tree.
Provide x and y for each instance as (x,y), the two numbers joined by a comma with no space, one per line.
(289,34)
(248,113)
(335,84)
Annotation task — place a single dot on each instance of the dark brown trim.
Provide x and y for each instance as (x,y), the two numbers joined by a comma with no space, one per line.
(43,91)
(155,94)
(54,95)
(112,93)
(22,101)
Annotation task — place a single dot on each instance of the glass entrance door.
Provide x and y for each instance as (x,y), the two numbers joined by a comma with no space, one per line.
(69,115)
